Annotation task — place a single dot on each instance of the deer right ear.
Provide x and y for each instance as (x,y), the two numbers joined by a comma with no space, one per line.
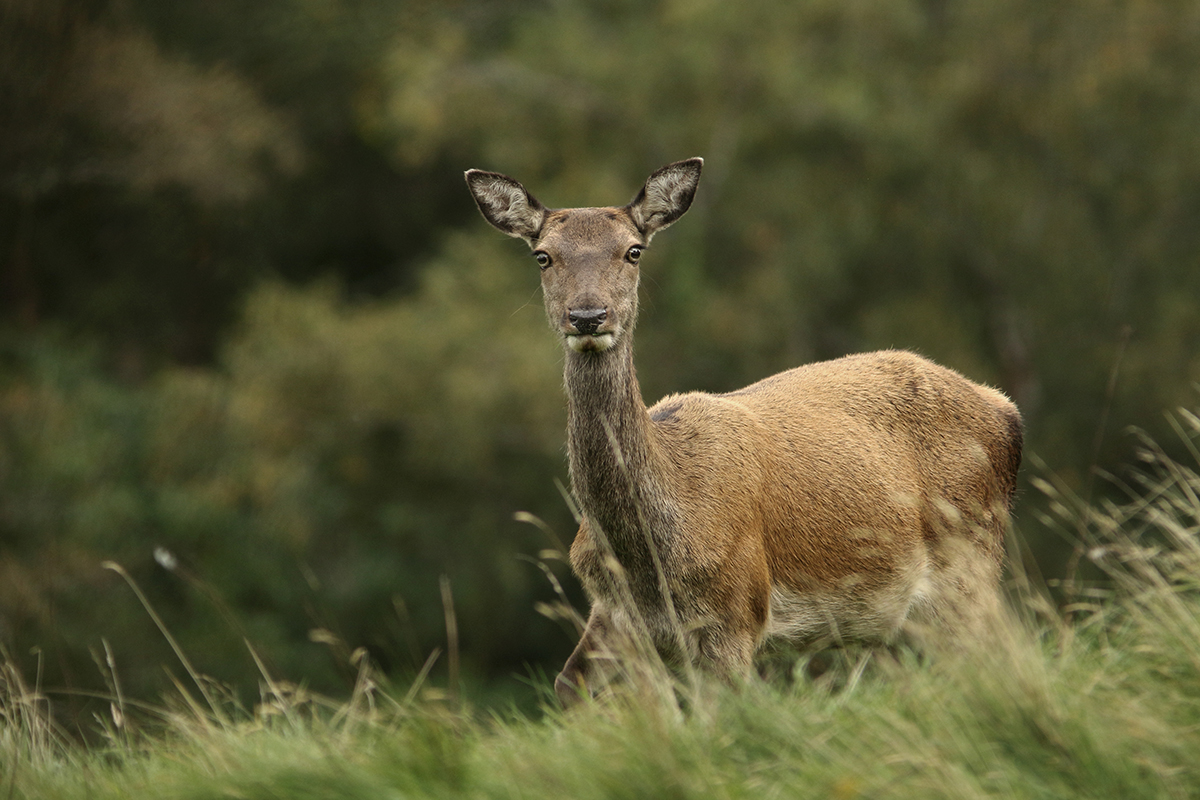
(506,205)
(667,194)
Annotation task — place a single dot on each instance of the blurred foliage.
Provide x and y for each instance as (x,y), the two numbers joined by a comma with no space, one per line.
(157,161)
(251,318)
(340,459)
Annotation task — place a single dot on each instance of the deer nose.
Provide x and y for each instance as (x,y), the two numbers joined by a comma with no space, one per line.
(587,320)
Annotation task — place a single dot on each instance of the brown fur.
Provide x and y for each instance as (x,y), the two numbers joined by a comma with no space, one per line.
(845,500)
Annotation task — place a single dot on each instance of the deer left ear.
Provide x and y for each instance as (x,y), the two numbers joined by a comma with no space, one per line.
(666,196)
(506,204)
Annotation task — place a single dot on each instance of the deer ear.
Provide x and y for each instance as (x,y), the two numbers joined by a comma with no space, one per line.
(506,205)
(667,194)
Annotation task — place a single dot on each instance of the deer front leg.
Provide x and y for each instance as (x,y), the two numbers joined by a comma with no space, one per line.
(592,664)
(725,648)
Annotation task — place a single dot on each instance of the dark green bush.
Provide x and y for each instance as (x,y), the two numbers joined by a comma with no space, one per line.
(342,460)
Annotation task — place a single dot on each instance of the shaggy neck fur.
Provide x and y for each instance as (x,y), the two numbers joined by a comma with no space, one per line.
(612,454)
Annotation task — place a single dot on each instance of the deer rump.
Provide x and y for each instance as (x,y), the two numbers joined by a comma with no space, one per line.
(848,500)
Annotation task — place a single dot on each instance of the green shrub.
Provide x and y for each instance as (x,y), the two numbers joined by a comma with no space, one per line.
(342,460)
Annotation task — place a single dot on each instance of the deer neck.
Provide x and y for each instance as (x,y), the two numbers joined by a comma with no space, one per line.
(612,452)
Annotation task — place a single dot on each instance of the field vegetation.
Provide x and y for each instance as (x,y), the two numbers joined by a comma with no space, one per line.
(1101,702)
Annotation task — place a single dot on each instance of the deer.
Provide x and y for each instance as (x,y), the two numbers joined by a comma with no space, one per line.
(859,499)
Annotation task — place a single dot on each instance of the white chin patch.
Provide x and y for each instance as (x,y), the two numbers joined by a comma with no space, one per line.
(590,344)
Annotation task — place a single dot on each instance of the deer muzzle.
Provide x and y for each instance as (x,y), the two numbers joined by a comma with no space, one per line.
(585,330)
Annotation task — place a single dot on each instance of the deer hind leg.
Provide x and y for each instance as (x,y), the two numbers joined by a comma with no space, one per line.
(961,606)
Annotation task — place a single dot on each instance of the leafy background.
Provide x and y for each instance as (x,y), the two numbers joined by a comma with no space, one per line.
(250,320)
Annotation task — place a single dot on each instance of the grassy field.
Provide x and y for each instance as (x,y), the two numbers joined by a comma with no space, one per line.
(1099,700)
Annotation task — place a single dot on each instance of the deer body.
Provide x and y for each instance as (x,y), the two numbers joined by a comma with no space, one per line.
(845,500)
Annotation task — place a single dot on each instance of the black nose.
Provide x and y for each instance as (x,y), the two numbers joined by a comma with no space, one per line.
(586,320)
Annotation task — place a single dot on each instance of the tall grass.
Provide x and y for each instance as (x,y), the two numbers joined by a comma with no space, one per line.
(1103,701)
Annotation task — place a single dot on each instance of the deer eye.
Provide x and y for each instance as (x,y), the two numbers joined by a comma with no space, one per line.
(634,254)
(542,259)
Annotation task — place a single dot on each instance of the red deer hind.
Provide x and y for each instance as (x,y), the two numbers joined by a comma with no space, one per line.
(847,500)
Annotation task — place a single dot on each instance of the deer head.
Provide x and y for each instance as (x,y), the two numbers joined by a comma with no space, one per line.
(588,256)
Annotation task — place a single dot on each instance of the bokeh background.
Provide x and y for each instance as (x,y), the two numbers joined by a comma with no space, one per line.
(258,348)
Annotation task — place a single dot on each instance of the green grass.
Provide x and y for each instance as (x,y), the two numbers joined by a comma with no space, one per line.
(1085,715)
(1106,704)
